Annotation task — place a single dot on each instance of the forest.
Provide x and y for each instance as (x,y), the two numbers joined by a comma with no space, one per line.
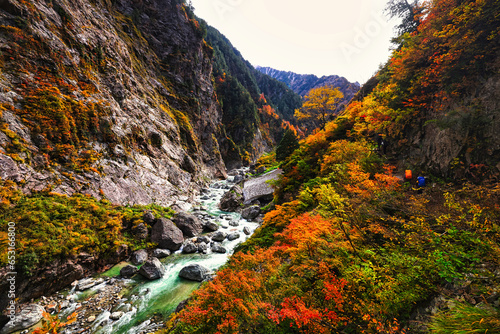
(351,246)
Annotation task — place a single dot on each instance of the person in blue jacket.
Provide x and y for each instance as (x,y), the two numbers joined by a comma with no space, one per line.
(420,184)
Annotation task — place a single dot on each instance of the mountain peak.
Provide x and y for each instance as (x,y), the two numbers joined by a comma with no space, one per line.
(303,83)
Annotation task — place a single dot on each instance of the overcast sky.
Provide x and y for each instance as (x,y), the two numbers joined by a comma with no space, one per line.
(350,38)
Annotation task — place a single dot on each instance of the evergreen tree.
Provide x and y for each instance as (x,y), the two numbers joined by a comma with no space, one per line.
(287,145)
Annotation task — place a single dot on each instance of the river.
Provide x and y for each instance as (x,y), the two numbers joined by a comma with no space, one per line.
(143,304)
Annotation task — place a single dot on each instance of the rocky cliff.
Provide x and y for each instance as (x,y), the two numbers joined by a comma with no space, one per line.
(106,98)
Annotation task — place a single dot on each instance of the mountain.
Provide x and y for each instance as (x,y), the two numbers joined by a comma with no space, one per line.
(303,83)
(244,93)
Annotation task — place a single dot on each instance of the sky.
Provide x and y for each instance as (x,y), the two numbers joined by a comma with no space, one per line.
(350,38)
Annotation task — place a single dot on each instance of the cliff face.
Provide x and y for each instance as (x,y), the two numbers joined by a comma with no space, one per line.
(107,98)
(303,83)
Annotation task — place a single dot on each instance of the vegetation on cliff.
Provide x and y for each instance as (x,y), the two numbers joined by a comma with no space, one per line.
(51,226)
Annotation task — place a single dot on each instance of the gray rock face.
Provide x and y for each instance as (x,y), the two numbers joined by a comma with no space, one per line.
(161,253)
(217,248)
(251,212)
(27,317)
(152,269)
(219,236)
(139,257)
(231,201)
(167,235)
(194,272)
(189,225)
(259,187)
(189,248)
(128,271)
(140,231)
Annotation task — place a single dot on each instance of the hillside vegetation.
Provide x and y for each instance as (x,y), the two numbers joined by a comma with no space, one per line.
(352,248)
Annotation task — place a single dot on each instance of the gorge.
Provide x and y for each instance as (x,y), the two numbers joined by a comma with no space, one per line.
(127,125)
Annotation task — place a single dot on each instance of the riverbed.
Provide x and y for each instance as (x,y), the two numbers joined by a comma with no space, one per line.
(136,305)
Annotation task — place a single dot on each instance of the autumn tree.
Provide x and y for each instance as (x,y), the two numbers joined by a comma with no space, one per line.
(320,103)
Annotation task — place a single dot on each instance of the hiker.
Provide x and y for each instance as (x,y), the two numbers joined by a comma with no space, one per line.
(420,184)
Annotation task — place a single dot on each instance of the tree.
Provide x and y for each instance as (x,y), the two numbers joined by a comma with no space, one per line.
(319,104)
(409,12)
(287,145)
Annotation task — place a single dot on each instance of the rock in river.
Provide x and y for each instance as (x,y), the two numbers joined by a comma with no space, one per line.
(167,235)
(189,248)
(128,271)
(251,212)
(161,253)
(219,236)
(188,224)
(232,200)
(152,269)
(29,315)
(195,272)
(217,248)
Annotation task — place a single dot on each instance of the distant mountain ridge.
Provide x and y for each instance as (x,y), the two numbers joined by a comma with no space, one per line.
(303,83)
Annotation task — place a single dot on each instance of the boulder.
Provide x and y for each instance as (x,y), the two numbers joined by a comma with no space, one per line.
(148,217)
(140,231)
(246,230)
(189,225)
(259,187)
(87,283)
(167,235)
(27,317)
(161,253)
(251,212)
(219,236)
(238,178)
(152,269)
(204,239)
(139,257)
(260,170)
(211,226)
(233,236)
(217,248)
(202,248)
(194,272)
(189,248)
(128,271)
(231,201)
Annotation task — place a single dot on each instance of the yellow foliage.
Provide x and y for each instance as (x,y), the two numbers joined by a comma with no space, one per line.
(319,104)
